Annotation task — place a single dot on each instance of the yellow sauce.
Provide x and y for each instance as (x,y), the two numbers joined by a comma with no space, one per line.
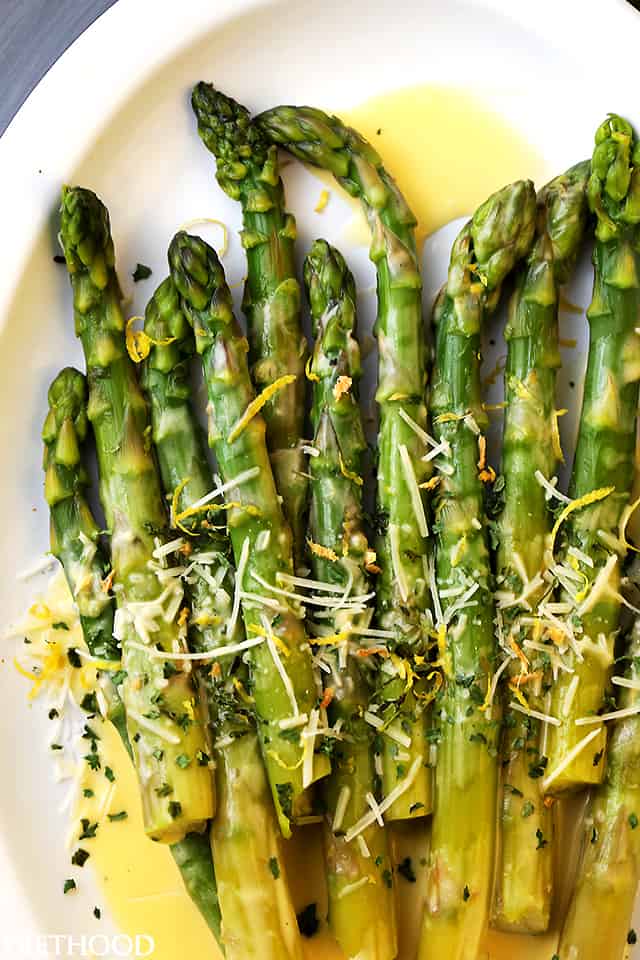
(448,152)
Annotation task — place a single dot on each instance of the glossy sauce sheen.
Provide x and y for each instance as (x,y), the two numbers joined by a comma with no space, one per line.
(447,152)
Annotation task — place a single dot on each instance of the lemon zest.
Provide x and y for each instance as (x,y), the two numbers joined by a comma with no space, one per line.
(592,497)
(322,202)
(320,551)
(139,342)
(225,231)
(555,434)
(281,763)
(258,403)
(349,474)
(625,516)
(310,375)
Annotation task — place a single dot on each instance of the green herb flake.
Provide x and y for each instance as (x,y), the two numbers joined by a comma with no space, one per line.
(89,703)
(418,805)
(53,714)
(203,758)
(80,857)
(274,866)
(69,885)
(119,677)
(89,830)
(165,790)
(632,937)
(285,798)
(74,657)
(536,770)
(116,817)
(527,808)
(387,879)
(175,809)
(109,774)
(405,869)
(97,912)
(88,793)
(633,821)
(93,760)
(60,625)
(308,922)
(466,893)
(141,272)
(183,761)
(542,843)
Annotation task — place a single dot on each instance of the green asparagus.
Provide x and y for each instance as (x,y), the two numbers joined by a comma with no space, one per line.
(258,918)
(283,681)
(591,546)
(361,905)
(74,541)
(163,716)
(524,876)
(463,833)
(599,917)
(402,545)
(247,170)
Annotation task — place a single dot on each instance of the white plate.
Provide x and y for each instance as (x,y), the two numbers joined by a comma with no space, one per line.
(113,114)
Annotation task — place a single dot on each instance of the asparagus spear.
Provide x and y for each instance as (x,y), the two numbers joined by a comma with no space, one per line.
(589,566)
(163,718)
(462,844)
(361,905)
(599,918)
(525,866)
(402,545)
(247,170)
(74,541)
(258,918)
(282,677)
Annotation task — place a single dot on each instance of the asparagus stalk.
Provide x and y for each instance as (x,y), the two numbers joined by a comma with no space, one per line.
(247,170)
(592,551)
(402,545)
(163,717)
(524,877)
(282,677)
(74,541)
(258,918)
(599,918)
(361,905)
(463,833)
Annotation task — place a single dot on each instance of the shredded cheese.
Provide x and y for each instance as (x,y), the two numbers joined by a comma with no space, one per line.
(375,808)
(536,714)
(308,751)
(414,491)
(284,676)
(614,715)
(395,794)
(570,757)
(341,807)
(352,887)
(396,562)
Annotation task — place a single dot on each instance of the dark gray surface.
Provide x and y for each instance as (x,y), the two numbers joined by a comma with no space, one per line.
(33,34)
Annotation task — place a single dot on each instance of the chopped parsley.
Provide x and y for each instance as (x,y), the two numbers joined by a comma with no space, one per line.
(183,761)
(97,912)
(203,758)
(537,769)
(387,878)
(89,703)
(57,746)
(405,869)
(597,757)
(89,830)
(74,657)
(542,843)
(285,798)
(115,817)
(119,677)
(514,790)
(633,821)
(175,809)
(632,937)
(158,754)
(416,806)
(87,792)
(53,713)
(308,922)
(69,885)
(274,866)
(109,774)
(80,857)
(165,790)
(141,272)
(93,760)
(527,808)
(58,258)
(466,893)
(60,625)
